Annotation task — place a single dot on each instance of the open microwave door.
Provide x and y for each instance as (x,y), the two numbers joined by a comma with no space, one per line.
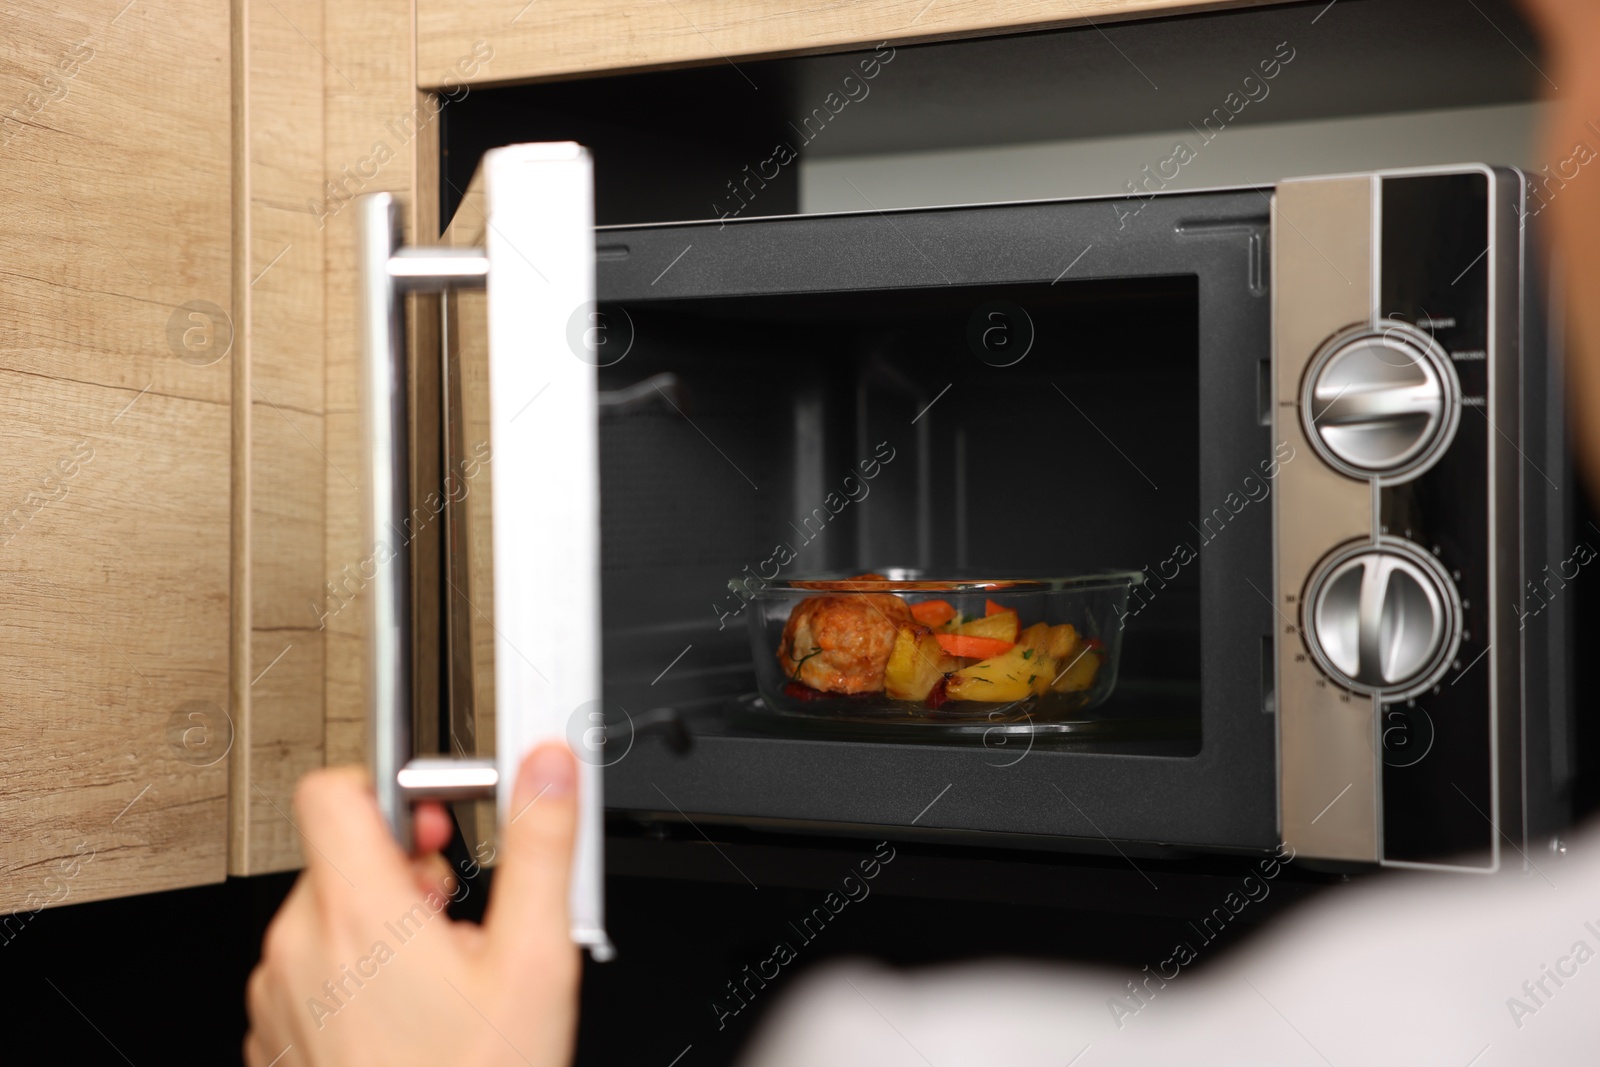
(543,553)
(545,470)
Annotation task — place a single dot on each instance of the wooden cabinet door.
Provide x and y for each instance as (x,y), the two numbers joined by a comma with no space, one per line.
(484,41)
(115,366)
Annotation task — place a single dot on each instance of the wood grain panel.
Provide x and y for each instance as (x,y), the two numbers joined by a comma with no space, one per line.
(480,41)
(279,466)
(286,520)
(114,449)
(281,731)
(285,740)
(368,146)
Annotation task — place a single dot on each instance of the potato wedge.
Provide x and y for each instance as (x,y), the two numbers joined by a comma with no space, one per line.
(1014,675)
(1064,644)
(1002,626)
(1042,671)
(914,664)
(1036,637)
(1076,674)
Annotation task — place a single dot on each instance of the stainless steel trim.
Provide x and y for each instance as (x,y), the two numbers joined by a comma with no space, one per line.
(1322,286)
(1375,248)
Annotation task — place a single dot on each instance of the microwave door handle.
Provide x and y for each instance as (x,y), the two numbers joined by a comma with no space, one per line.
(387,493)
(545,476)
(387,272)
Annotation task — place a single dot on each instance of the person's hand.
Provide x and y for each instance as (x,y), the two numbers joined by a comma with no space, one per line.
(362,966)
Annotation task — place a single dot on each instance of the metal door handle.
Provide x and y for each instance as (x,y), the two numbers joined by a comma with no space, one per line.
(388,272)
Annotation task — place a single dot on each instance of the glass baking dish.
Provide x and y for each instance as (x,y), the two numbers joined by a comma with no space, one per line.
(900,647)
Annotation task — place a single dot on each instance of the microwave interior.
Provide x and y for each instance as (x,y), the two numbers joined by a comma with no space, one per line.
(736,424)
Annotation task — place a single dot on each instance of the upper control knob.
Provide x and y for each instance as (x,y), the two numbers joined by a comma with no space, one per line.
(1384,619)
(1381,401)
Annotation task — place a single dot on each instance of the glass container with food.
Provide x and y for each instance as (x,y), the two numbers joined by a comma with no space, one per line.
(899,647)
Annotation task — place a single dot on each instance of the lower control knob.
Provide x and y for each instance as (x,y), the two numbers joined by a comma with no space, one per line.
(1383,619)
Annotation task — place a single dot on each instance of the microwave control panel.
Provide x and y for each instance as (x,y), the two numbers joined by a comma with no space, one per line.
(1395,352)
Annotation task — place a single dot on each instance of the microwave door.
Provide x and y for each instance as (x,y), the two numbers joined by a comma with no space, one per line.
(545,471)
(537,265)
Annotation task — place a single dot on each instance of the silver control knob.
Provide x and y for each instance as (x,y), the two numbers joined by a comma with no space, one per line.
(1383,620)
(1381,401)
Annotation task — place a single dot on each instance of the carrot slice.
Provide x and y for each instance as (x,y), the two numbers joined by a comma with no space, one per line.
(974,647)
(991,608)
(931,613)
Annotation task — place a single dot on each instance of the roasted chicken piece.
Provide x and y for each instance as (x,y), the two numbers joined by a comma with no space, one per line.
(841,644)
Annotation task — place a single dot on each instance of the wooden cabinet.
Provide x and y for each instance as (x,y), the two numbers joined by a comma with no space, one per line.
(115,418)
(280,466)
(504,41)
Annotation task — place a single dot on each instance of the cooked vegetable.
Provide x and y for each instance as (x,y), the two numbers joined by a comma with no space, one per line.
(991,608)
(1012,675)
(933,613)
(1077,674)
(974,646)
(913,668)
(1061,643)
(1036,637)
(1001,625)
(1065,644)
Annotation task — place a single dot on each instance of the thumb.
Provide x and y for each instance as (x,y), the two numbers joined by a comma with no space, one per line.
(527,914)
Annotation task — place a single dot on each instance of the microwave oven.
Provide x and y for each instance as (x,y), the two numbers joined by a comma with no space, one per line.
(1321,421)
